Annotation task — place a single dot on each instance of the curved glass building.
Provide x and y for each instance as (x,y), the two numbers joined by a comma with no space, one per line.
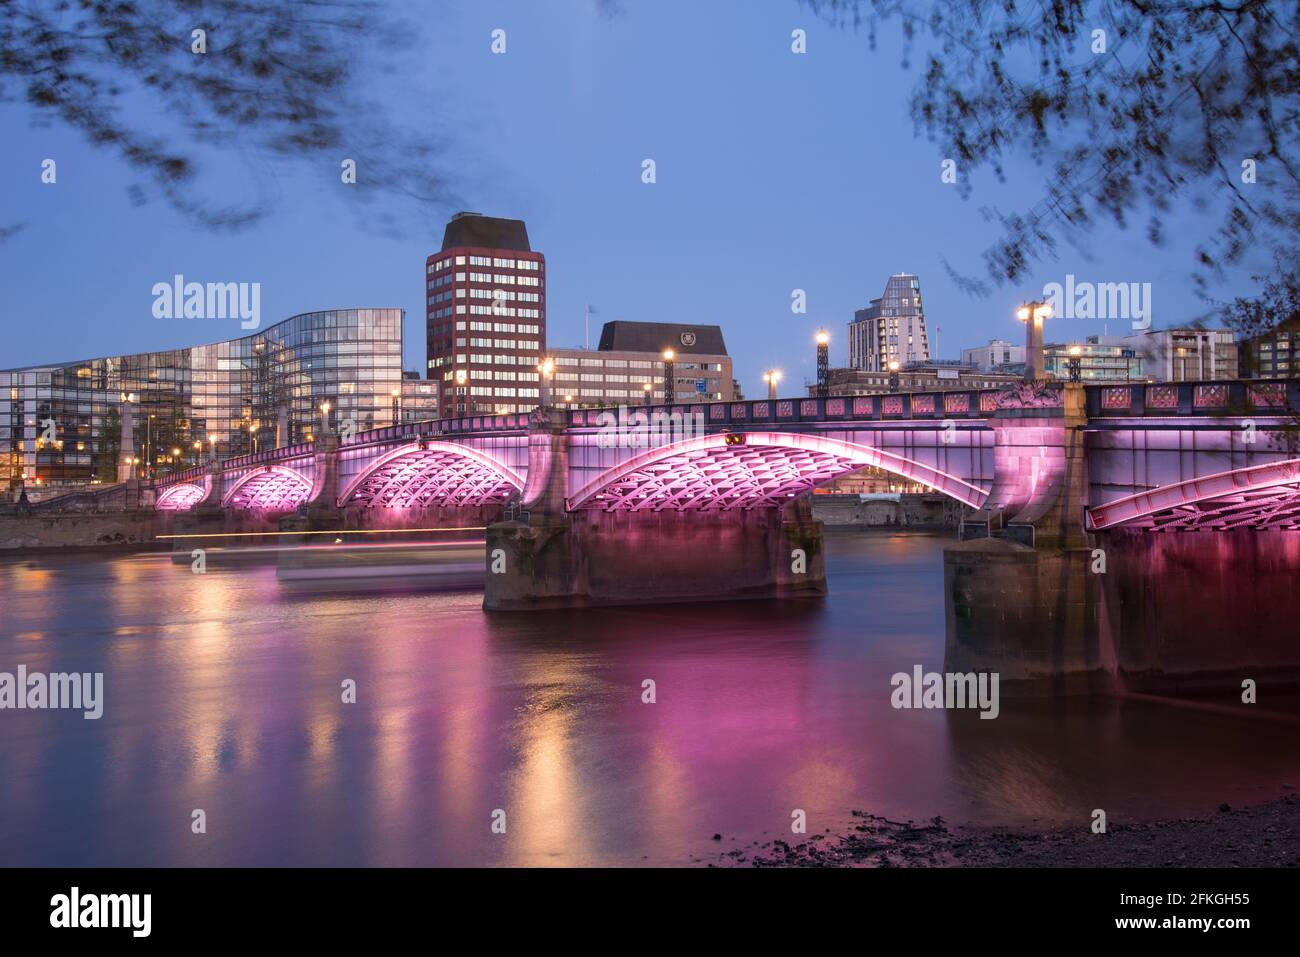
(61,424)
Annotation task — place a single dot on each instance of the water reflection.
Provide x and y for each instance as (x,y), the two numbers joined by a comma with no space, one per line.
(224,693)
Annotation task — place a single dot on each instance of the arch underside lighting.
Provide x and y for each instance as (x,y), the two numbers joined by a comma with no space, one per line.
(769,470)
(180,498)
(273,489)
(1258,497)
(442,475)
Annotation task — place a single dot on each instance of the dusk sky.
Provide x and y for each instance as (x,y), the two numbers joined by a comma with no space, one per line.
(776,171)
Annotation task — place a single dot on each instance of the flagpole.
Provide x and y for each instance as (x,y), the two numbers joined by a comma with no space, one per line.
(586,326)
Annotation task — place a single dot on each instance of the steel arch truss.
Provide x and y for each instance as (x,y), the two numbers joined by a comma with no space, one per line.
(1260,497)
(433,474)
(180,498)
(766,471)
(268,488)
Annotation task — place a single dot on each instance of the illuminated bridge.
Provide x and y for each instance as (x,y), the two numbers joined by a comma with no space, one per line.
(1134,533)
(1172,456)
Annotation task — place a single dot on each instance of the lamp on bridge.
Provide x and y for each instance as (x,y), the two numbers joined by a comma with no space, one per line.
(546,369)
(670,384)
(893,375)
(325,417)
(646,389)
(1075,364)
(1032,315)
(397,406)
(771,377)
(823,363)
(461,379)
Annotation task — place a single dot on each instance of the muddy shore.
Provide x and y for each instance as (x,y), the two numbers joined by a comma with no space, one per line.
(1264,835)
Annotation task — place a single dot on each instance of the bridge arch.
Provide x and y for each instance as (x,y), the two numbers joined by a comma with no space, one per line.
(268,488)
(432,474)
(748,470)
(180,497)
(1258,496)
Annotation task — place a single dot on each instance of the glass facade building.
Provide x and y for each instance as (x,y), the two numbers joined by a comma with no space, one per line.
(60,425)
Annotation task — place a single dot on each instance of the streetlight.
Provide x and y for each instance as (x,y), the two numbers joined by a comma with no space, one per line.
(646,389)
(1032,315)
(397,406)
(771,377)
(1075,364)
(461,379)
(670,384)
(212,441)
(545,368)
(823,363)
(198,452)
(325,417)
(893,375)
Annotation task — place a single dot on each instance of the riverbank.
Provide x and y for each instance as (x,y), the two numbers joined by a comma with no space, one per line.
(1265,835)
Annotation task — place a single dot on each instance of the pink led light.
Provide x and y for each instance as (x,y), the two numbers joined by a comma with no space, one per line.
(705,473)
(268,489)
(440,474)
(180,498)
(1259,496)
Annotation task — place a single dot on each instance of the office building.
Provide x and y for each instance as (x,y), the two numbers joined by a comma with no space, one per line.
(1274,354)
(486,316)
(1101,359)
(630,356)
(60,424)
(995,355)
(1185,355)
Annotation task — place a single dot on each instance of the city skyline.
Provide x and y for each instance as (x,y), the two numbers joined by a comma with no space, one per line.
(613,241)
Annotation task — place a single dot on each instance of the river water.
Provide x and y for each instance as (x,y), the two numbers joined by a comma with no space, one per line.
(222,693)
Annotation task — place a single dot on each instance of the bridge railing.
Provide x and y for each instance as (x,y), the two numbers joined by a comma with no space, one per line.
(955,404)
(1208,398)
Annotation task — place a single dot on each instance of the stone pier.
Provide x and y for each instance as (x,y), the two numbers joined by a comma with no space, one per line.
(545,556)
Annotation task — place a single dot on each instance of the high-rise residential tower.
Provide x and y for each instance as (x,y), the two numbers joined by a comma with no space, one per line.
(891,329)
(486,296)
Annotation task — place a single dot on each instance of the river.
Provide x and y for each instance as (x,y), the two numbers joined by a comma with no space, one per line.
(223,694)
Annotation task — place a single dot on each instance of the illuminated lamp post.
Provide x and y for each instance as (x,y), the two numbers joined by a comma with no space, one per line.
(771,377)
(646,389)
(670,383)
(894,378)
(1032,315)
(545,369)
(461,378)
(823,363)
(1075,364)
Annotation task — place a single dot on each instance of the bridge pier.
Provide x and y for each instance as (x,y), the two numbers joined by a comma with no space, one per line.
(546,556)
(1053,608)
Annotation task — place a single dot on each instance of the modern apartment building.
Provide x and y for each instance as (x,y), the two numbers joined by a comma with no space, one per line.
(630,357)
(486,316)
(60,424)
(891,329)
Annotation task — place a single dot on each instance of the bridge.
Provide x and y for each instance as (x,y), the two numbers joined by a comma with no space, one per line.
(1168,456)
(1122,529)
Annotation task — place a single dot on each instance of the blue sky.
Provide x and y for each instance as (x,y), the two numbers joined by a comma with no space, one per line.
(775,172)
